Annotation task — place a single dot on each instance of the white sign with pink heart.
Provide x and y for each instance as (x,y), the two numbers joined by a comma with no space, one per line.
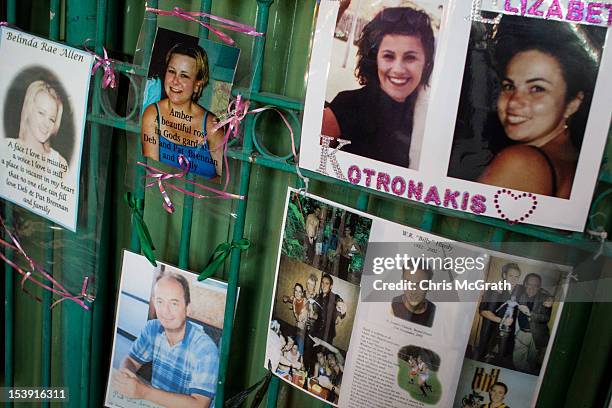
(487,110)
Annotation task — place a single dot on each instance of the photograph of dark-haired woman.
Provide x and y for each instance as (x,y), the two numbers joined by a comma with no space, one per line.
(535,83)
(379,79)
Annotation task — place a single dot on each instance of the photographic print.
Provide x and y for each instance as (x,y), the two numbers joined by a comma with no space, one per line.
(312,318)
(326,237)
(167,336)
(417,374)
(513,328)
(44,87)
(527,136)
(321,258)
(334,339)
(484,385)
(525,103)
(373,103)
(188,88)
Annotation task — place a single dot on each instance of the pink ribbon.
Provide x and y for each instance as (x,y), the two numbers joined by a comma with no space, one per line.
(3,23)
(237,110)
(226,24)
(34,267)
(109,78)
(160,176)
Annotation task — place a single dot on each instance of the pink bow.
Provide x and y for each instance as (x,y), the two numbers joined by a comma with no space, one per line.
(106,64)
(226,24)
(237,110)
(160,176)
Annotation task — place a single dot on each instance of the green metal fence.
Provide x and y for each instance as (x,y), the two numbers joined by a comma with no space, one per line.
(67,346)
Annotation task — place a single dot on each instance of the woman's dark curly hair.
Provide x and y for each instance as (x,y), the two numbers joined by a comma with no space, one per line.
(393,21)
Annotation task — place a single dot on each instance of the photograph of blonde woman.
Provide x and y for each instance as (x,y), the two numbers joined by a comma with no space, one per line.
(546,73)
(39,122)
(394,62)
(177,124)
(43,123)
(189,84)
(41,116)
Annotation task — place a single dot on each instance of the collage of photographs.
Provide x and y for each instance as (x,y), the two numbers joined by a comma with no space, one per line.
(317,290)
(401,347)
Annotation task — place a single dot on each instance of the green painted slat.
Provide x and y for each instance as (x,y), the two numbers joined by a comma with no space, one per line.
(47,298)
(76,322)
(11,11)
(93,205)
(245,174)
(593,365)
(150,26)
(268,98)
(101,309)
(9,302)
(9,298)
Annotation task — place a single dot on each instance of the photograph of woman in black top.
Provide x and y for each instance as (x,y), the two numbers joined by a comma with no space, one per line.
(394,60)
(546,74)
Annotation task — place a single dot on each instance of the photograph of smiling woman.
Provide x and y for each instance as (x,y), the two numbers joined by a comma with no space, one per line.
(44,119)
(395,53)
(546,72)
(41,116)
(177,124)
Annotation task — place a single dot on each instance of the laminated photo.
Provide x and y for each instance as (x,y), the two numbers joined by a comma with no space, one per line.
(484,385)
(317,291)
(188,88)
(532,119)
(44,88)
(167,337)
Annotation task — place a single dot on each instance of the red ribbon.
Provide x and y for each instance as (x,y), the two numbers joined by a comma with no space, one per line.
(226,24)
(35,268)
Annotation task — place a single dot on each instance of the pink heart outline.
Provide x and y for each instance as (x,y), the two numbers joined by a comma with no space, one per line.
(516,197)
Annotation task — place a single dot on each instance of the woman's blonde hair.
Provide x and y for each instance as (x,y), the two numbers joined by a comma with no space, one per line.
(28,104)
(201,58)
